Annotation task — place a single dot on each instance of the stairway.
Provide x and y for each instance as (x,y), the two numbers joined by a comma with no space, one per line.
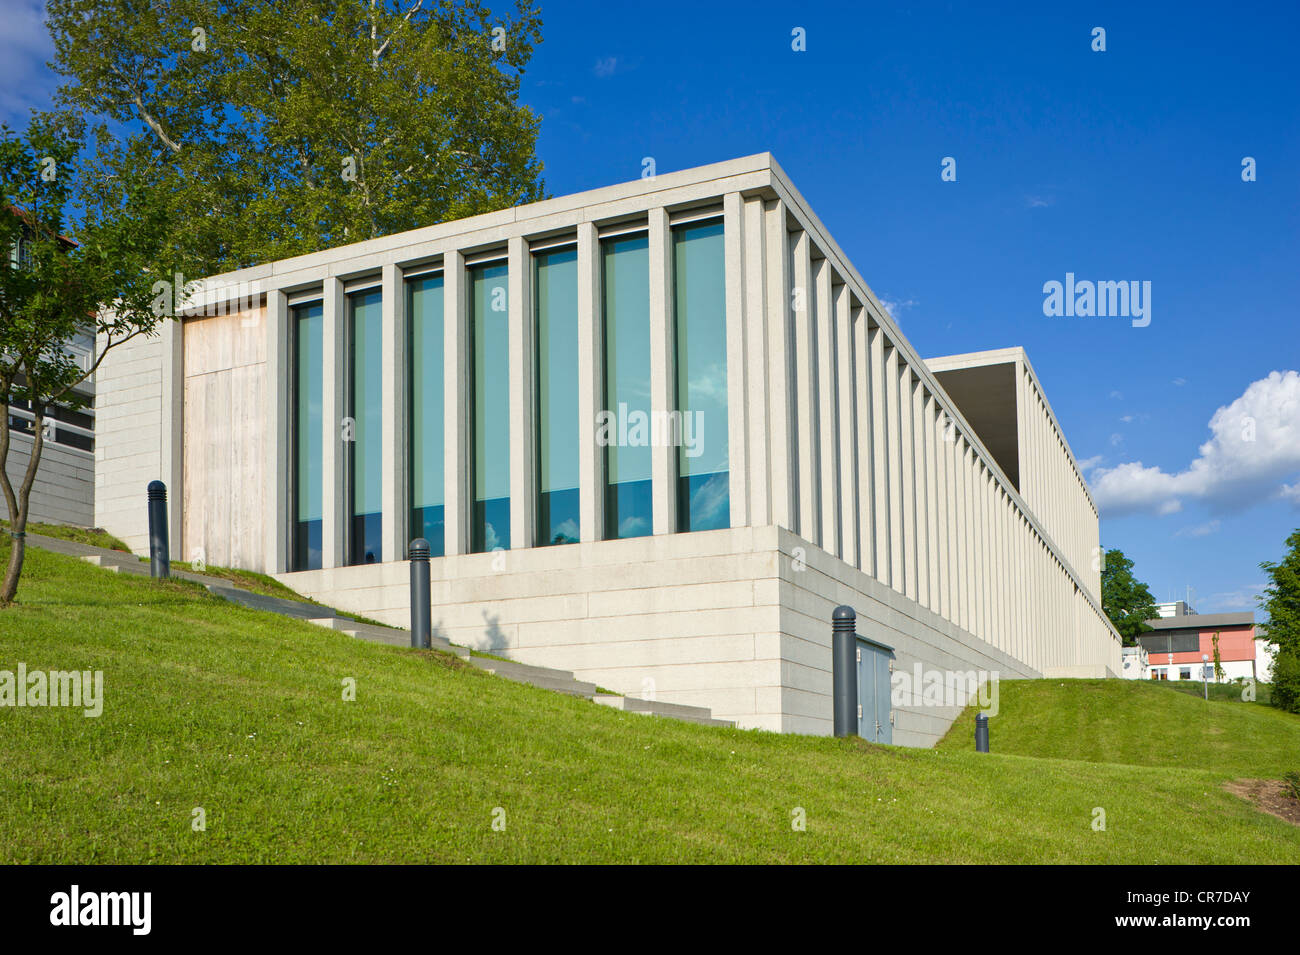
(558,681)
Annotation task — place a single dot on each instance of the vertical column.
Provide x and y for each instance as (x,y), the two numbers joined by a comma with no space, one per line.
(884,414)
(974,563)
(965,594)
(846,412)
(334,451)
(275,514)
(591,383)
(456,384)
(921,466)
(1000,634)
(523,428)
(828,444)
(780,372)
(865,407)
(173,431)
(902,386)
(663,398)
(733,237)
(805,398)
(756,363)
(935,522)
(394,469)
(954,559)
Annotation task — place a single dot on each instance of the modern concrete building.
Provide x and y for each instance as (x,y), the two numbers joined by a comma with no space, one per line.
(654,433)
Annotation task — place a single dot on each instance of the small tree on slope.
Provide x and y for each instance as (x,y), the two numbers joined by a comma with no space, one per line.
(1281,601)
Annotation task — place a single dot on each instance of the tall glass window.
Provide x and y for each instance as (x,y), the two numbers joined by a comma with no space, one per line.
(700,312)
(490,415)
(365,409)
(626,426)
(424,308)
(307,324)
(555,284)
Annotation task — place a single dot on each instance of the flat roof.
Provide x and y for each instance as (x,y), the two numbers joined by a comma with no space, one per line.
(1204,621)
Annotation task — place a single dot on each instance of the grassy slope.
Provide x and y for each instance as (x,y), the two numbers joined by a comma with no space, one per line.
(211,705)
(81,535)
(1136,722)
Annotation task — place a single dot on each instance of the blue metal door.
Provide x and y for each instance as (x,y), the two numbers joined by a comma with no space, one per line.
(874,723)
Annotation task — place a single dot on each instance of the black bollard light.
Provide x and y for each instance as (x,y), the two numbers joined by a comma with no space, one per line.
(160,562)
(421,627)
(844,670)
(981,733)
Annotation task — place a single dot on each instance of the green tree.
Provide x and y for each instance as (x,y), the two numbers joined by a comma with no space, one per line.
(100,285)
(1127,601)
(1281,602)
(283,127)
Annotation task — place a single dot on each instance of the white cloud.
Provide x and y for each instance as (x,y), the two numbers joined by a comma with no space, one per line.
(1290,492)
(1243,598)
(896,309)
(1117,394)
(1087,464)
(1180,382)
(605,66)
(1199,530)
(1254,445)
(27,49)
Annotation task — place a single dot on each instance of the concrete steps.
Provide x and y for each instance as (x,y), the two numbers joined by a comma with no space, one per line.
(557,681)
(677,711)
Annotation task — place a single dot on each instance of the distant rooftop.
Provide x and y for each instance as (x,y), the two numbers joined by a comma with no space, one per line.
(1203,621)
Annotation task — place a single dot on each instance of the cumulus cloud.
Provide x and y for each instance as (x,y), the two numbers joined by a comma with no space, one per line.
(1254,446)
(27,48)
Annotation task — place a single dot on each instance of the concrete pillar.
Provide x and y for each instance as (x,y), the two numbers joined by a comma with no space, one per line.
(902,385)
(805,399)
(456,403)
(758,392)
(395,428)
(523,428)
(276,513)
(949,436)
(663,366)
(733,229)
(333,405)
(172,456)
(846,413)
(921,466)
(780,372)
(934,501)
(828,427)
(961,485)
(591,397)
(889,543)
(864,405)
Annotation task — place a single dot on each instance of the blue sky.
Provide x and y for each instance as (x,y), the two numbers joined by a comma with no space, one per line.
(1115,165)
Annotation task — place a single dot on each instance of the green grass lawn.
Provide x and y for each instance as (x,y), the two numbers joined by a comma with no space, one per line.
(81,535)
(1226,692)
(1137,722)
(241,713)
